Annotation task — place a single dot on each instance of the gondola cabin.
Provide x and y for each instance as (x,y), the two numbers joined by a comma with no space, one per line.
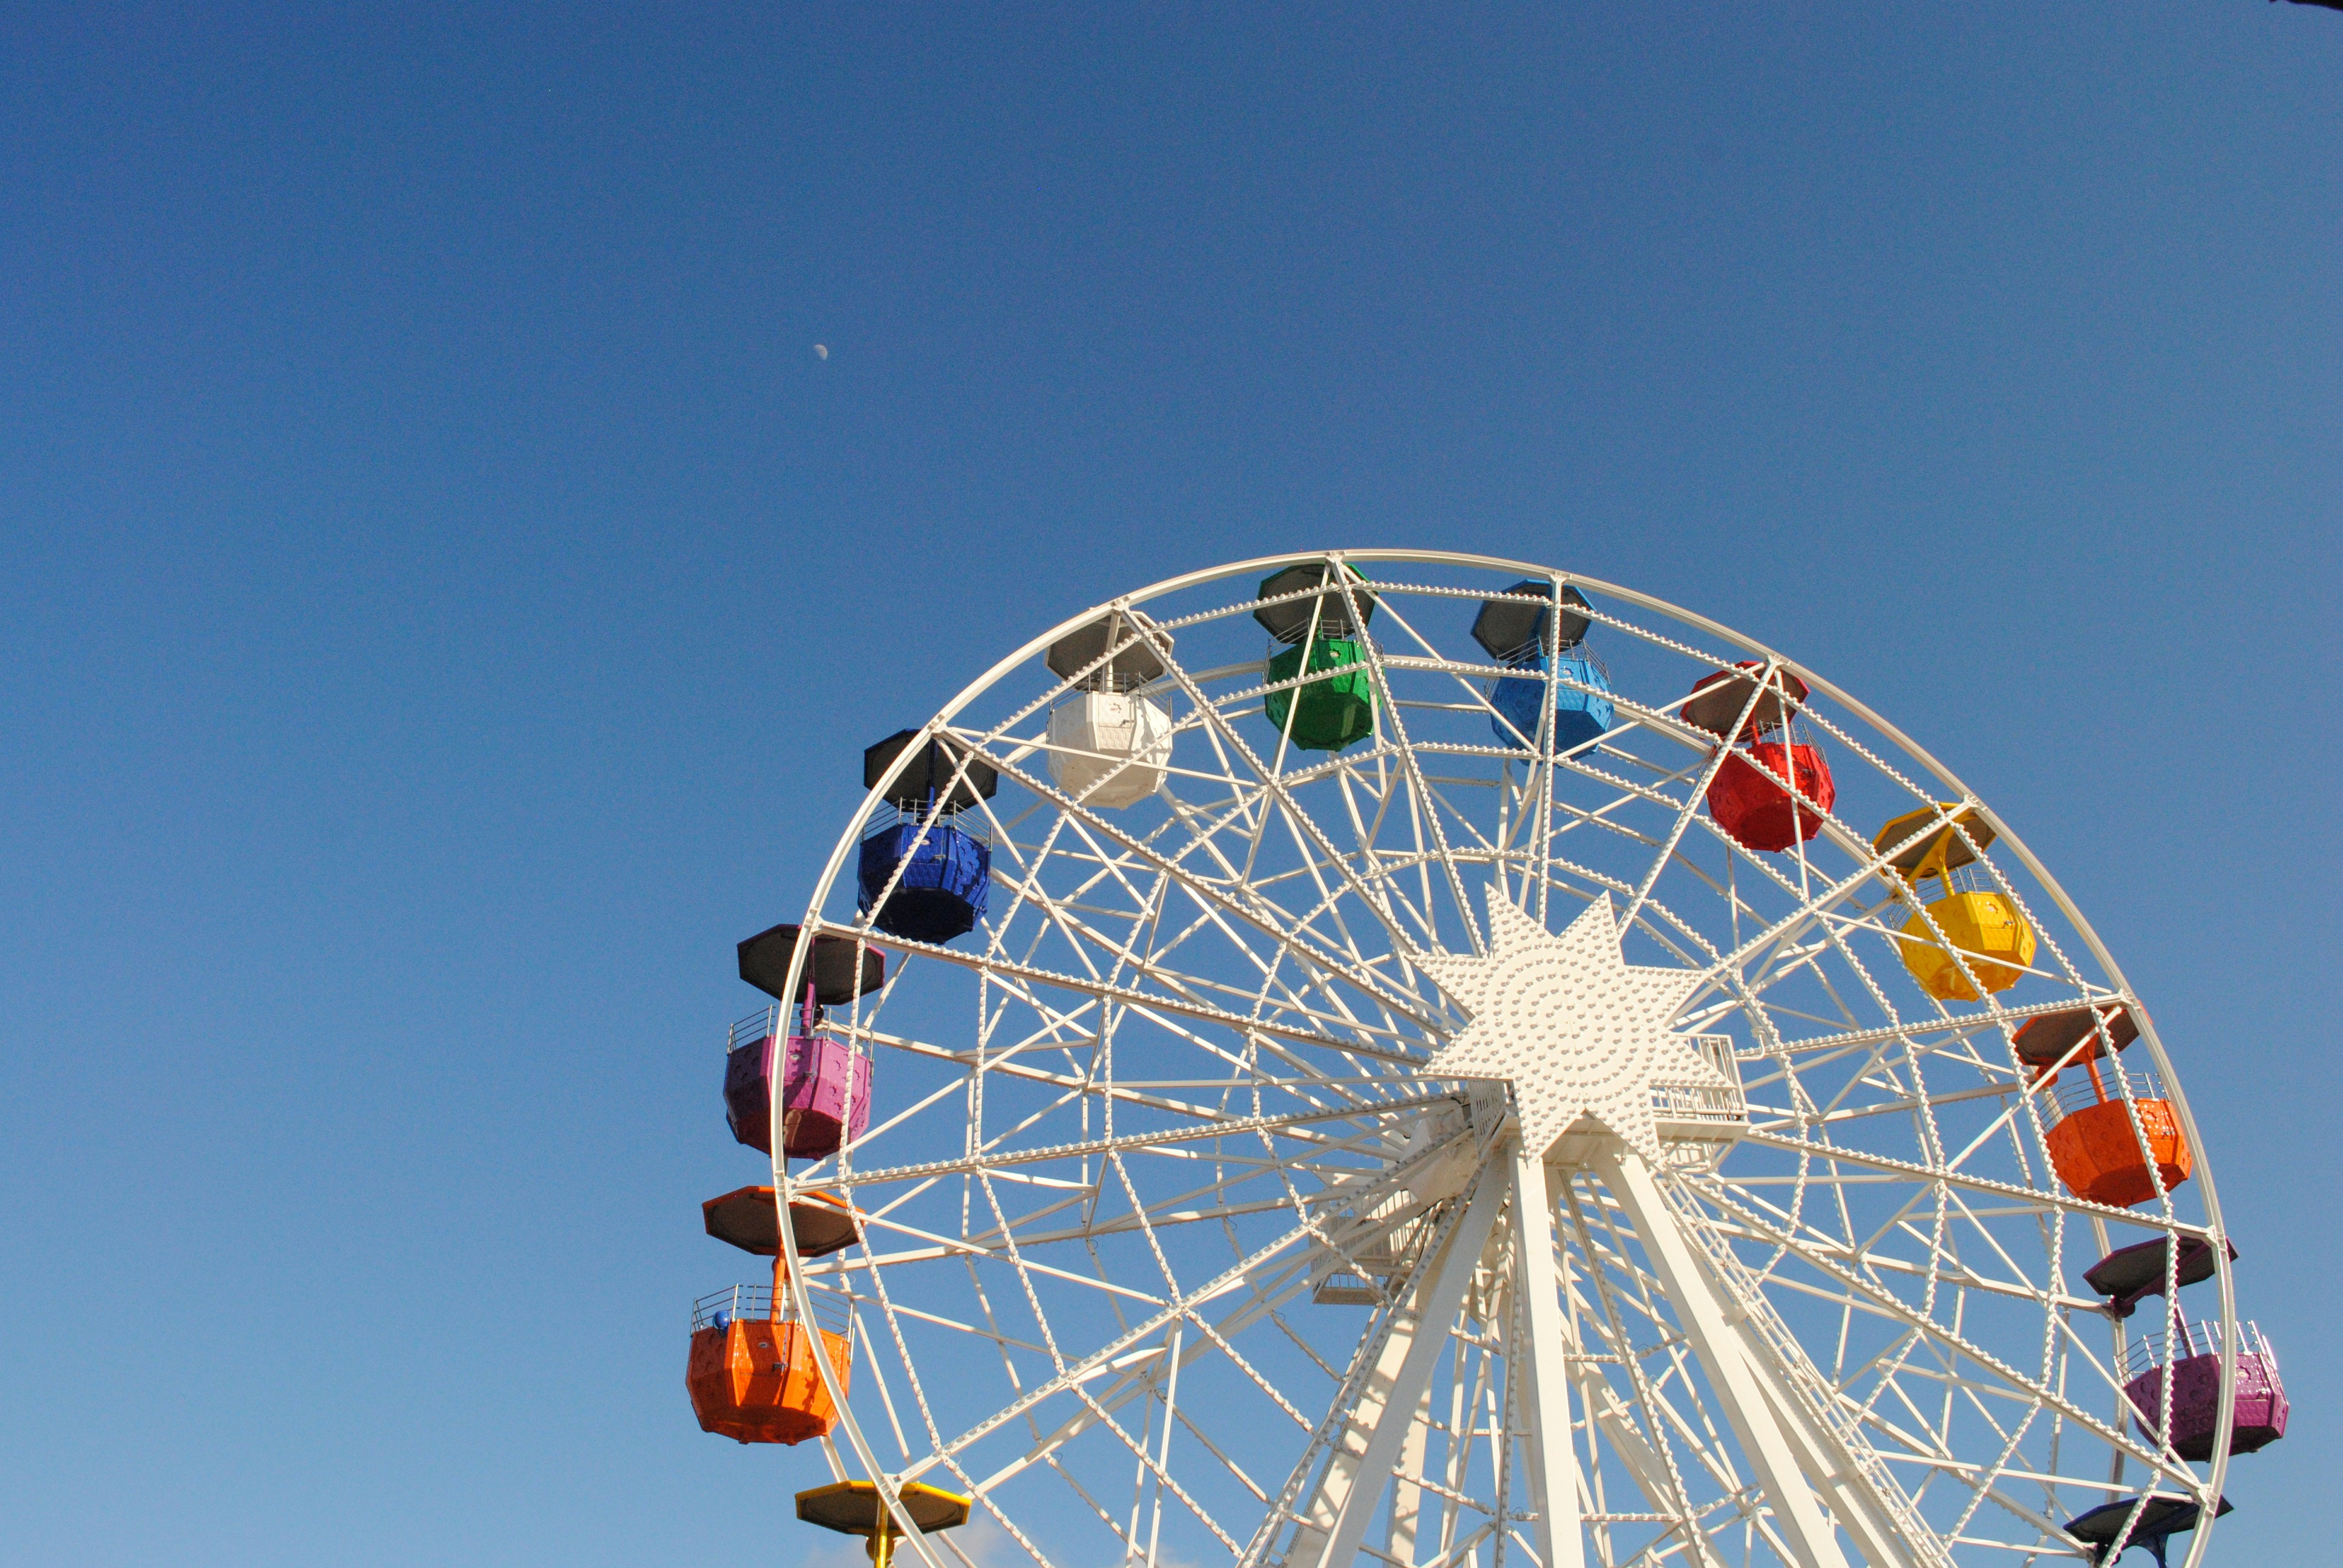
(1773,787)
(2095,1147)
(1109,744)
(825,1084)
(1752,797)
(2190,1356)
(752,1375)
(1523,630)
(1983,936)
(1320,634)
(922,873)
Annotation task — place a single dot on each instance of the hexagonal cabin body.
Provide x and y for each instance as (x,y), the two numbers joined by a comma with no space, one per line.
(825,1083)
(920,875)
(754,1379)
(752,1374)
(1331,711)
(1583,711)
(2100,1156)
(1110,747)
(2260,1410)
(1991,939)
(1750,797)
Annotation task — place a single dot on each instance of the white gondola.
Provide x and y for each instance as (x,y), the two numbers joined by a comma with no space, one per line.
(1109,745)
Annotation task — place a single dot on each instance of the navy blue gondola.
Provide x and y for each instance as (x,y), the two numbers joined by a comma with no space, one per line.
(946,871)
(947,874)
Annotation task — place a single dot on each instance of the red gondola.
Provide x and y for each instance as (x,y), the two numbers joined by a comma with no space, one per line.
(1772,793)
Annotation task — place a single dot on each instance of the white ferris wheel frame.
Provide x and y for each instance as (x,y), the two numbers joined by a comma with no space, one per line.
(1780,1456)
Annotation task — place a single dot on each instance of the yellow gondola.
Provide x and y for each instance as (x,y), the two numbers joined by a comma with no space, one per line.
(1984,929)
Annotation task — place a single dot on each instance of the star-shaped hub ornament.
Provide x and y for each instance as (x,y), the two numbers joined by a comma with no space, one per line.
(1580,1033)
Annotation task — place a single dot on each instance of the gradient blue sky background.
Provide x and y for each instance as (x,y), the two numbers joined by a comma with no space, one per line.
(442,596)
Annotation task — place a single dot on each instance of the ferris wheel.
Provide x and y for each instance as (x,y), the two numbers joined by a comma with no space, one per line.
(1414,1059)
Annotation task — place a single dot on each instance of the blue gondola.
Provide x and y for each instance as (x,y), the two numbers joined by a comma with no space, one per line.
(1521,630)
(942,873)
(1579,715)
(947,874)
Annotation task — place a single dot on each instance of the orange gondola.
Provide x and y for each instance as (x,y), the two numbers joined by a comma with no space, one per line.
(752,1374)
(2098,1152)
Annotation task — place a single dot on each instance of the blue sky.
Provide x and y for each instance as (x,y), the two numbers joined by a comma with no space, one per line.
(443,596)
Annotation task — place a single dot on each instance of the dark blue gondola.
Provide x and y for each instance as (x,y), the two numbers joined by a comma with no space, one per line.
(945,870)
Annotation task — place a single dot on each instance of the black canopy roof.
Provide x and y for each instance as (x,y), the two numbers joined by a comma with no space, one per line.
(1511,625)
(1290,621)
(765,964)
(933,763)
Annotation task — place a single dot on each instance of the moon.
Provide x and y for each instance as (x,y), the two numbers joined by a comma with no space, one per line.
(821,351)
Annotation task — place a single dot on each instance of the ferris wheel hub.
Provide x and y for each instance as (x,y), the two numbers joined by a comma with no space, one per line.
(1582,1035)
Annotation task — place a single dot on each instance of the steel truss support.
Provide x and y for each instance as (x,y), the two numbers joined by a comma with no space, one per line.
(1544,1366)
(1407,1497)
(1835,1473)
(1852,1482)
(1723,1357)
(1334,1526)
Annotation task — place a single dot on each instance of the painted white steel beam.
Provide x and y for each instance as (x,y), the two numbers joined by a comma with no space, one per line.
(1849,1481)
(1367,1454)
(1543,1365)
(1805,1529)
(1650,1474)
(1837,1476)
(1407,1497)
